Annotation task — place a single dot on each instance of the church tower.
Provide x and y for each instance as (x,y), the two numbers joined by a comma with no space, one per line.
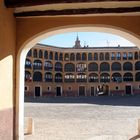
(77,43)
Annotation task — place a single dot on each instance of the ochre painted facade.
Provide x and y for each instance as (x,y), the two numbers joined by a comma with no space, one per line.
(15,34)
(80,71)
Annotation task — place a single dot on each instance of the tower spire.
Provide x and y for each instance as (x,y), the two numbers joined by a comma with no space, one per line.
(77,43)
(77,39)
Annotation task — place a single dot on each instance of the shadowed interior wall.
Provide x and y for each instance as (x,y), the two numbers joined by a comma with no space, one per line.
(34,26)
(7,76)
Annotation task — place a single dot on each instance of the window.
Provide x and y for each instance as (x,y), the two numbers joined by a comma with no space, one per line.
(46,55)
(104,77)
(113,56)
(69,77)
(26,88)
(48,77)
(81,67)
(107,56)
(127,66)
(118,56)
(29,54)
(58,66)
(35,53)
(128,77)
(93,66)
(66,57)
(101,56)
(49,88)
(137,65)
(104,66)
(69,67)
(81,77)
(72,57)
(84,56)
(116,77)
(93,77)
(137,76)
(37,65)
(70,88)
(116,66)
(117,88)
(124,56)
(28,64)
(61,57)
(40,54)
(58,77)
(95,56)
(51,56)
(130,55)
(48,65)
(90,56)
(56,56)
(78,56)
(37,77)
(136,55)
(28,76)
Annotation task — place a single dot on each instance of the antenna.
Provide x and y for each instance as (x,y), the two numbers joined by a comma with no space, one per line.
(85,44)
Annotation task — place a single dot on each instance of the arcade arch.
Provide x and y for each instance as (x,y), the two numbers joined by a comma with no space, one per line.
(31,41)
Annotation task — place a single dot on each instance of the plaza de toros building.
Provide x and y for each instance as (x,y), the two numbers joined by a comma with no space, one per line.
(82,71)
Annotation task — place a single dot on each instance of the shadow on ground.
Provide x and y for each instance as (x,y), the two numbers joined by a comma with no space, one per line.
(135,137)
(100,100)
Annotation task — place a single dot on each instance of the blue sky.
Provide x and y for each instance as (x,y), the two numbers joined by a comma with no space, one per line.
(93,39)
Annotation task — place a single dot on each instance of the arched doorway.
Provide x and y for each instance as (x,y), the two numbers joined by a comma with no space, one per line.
(35,39)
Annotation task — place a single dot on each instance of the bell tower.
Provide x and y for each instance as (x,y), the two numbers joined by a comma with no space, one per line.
(77,43)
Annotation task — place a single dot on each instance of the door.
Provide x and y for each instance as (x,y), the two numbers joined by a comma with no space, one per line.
(81,91)
(92,91)
(128,90)
(106,89)
(58,91)
(37,91)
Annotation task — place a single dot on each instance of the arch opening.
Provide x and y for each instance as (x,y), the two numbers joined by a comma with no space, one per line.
(35,39)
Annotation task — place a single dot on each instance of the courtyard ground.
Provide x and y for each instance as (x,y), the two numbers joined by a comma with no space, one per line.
(84,118)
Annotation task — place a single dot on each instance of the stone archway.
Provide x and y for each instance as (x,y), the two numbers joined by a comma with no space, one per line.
(31,41)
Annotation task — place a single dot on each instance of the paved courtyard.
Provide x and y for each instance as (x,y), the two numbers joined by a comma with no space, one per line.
(84,118)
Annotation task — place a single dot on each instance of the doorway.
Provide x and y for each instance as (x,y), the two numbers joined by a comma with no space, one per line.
(58,91)
(37,91)
(128,90)
(106,90)
(92,91)
(81,90)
